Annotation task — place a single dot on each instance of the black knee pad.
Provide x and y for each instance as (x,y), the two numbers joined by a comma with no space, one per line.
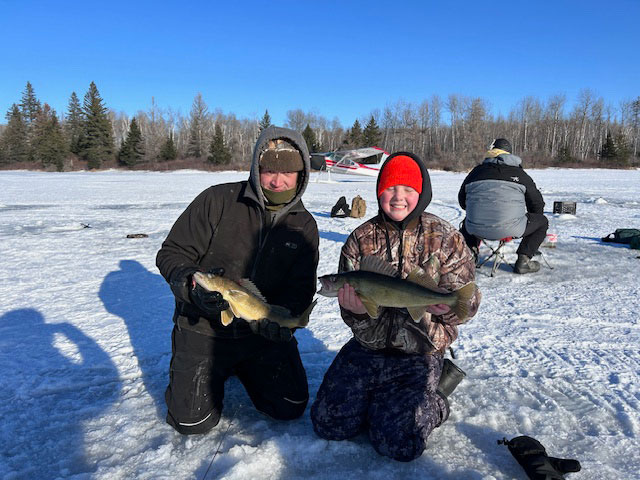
(195,427)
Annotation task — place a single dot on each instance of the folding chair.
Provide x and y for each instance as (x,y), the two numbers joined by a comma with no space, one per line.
(496,254)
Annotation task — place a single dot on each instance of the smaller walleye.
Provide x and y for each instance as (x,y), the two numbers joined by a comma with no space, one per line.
(246,301)
(377,286)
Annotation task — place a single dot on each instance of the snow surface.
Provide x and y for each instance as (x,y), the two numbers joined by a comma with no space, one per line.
(85,326)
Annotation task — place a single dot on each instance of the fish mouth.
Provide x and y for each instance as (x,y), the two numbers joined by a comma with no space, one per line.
(326,288)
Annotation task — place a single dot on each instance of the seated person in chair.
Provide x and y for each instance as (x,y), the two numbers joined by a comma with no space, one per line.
(501,201)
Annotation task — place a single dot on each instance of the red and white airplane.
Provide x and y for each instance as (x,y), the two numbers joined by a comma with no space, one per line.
(360,161)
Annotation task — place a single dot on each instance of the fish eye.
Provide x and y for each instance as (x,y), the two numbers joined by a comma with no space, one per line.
(333,278)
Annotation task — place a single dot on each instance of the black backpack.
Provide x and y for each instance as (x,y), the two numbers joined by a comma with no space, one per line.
(628,236)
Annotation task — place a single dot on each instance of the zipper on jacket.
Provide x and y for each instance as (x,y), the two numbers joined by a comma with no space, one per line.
(261,242)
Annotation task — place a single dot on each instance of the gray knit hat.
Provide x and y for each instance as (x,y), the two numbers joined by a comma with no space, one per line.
(281,156)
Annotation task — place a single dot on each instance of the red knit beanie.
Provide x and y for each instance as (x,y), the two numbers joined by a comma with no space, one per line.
(400,170)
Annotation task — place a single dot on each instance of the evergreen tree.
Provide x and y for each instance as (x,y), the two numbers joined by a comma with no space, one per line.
(199,114)
(219,154)
(564,155)
(74,124)
(50,147)
(265,122)
(608,150)
(168,151)
(29,105)
(30,108)
(310,137)
(371,134)
(355,135)
(132,149)
(623,149)
(97,140)
(14,145)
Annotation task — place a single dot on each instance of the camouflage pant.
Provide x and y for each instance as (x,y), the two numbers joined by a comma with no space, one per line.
(393,396)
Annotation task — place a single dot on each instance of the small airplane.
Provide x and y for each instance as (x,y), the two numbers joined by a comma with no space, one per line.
(359,161)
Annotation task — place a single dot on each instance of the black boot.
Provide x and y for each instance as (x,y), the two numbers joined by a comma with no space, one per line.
(525,265)
(450,378)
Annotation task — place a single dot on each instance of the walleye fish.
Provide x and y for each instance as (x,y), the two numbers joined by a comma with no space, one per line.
(377,286)
(246,301)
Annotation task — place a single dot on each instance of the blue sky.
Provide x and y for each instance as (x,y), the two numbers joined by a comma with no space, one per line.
(334,58)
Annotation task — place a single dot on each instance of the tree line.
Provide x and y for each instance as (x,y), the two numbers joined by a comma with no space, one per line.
(544,133)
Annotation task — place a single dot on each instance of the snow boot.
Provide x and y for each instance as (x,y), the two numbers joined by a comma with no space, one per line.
(451,376)
(525,265)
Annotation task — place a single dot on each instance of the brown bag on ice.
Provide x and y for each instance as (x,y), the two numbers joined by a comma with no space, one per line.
(358,207)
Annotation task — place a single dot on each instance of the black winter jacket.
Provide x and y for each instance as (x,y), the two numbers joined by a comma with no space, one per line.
(497,194)
(227,226)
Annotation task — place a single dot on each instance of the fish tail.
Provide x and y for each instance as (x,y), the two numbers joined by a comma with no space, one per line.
(303,319)
(463,299)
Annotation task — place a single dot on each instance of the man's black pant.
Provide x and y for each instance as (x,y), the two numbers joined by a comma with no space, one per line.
(533,236)
(271,372)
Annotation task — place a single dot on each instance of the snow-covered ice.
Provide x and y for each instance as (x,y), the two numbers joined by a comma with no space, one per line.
(85,326)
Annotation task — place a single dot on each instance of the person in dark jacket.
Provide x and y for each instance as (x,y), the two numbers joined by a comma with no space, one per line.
(502,201)
(387,380)
(259,230)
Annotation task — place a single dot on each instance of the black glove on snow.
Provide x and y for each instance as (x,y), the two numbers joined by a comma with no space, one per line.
(210,303)
(271,330)
(532,456)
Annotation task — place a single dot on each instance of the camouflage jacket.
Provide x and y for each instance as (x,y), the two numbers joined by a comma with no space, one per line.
(428,243)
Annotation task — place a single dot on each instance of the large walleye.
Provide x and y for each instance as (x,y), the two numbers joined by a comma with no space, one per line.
(246,301)
(377,286)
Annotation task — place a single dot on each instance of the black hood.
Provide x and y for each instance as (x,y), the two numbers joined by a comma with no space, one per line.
(425,195)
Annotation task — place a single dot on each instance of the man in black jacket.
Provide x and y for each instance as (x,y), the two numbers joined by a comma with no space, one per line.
(257,229)
(501,201)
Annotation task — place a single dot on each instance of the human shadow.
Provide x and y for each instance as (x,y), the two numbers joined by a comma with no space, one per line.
(486,440)
(334,236)
(54,378)
(145,303)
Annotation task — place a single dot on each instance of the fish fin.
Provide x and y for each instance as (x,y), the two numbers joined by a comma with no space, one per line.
(304,317)
(420,277)
(461,308)
(251,287)
(226,317)
(416,313)
(233,297)
(279,310)
(433,265)
(348,265)
(369,263)
(370,305)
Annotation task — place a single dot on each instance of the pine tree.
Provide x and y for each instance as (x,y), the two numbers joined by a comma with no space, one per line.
(371,134)
(30,108)
(564,155)
(608,150)
(623,149)
(355,135)
(50,147)
(97,139)
(14,145)
(219,154)
(265,122)
(73,126)
(310,137)
(168,151)
(29,105)
(199,113)
(132,149)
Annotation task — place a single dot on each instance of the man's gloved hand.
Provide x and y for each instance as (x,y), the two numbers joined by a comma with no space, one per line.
(271,330)
(210,303)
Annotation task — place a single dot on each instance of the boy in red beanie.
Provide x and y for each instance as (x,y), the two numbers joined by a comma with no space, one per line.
(388,379)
